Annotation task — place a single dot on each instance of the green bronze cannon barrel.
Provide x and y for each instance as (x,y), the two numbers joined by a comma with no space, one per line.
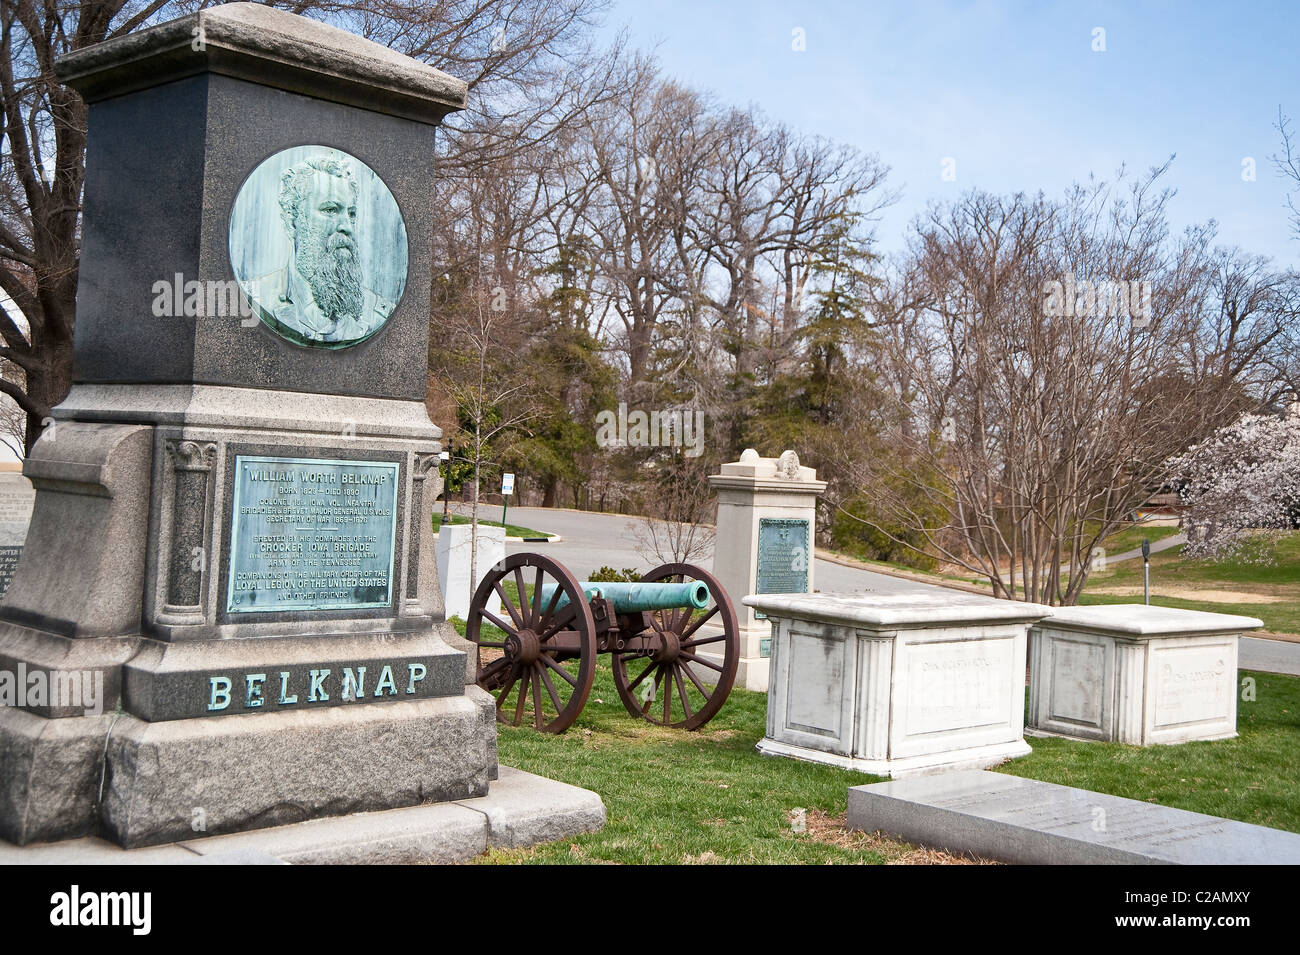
(634,597)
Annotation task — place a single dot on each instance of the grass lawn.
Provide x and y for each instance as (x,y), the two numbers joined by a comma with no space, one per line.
(512,530)
(1270,592)
(1121,542)
(677,797)
(1118,543)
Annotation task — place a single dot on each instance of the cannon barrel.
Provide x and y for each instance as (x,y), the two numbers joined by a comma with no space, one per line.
(634,597)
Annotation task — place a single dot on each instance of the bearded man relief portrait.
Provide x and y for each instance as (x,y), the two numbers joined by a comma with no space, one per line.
(318,245)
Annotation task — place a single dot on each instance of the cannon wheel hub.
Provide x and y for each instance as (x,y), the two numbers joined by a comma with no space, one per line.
(523,647)
(670,645)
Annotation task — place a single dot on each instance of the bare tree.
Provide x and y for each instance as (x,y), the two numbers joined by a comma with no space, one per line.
(1049,386)
(489,403)
(680,523)
(633,150)
(1287,163)
(13,420)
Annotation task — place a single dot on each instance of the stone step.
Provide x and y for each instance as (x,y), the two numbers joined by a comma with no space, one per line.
(519,810)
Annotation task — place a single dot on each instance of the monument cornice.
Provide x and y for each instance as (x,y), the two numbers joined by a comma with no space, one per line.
(742,483)
(260,44)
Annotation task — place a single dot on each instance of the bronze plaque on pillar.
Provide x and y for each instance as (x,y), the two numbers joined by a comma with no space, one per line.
(311,534)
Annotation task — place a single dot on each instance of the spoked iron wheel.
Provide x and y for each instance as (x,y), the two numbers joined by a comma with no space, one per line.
(537,657)
(676,686)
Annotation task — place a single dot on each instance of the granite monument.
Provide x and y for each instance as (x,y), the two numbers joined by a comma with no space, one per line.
(231,531)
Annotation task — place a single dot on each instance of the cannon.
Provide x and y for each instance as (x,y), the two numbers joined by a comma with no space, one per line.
(537,656)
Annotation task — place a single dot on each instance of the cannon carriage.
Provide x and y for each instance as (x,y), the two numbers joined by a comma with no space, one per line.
(672,639)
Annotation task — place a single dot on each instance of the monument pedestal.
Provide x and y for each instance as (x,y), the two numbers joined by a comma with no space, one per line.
(764,544)
(250,771)
(897,684)
(1131,673)
(123,603)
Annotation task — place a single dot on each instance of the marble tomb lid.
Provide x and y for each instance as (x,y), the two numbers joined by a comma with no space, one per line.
(908,610)
(1142,620)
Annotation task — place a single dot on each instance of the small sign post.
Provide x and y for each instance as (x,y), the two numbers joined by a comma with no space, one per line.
(444,461)
(507,488)
(1146,571)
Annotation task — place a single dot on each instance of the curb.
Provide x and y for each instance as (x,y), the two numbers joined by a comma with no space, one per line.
(553,539)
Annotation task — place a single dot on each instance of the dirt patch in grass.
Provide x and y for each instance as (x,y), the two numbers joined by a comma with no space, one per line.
(705,733)
(1271,635)
(832,830)
(1191,593)
(707,857)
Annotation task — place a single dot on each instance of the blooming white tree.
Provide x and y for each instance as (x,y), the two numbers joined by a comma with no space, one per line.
(1246,478)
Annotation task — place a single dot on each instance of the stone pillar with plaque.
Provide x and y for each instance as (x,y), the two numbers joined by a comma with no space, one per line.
(231,555)
(767,511)
(16,499)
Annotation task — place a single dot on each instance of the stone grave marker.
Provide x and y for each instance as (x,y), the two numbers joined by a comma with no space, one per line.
(16,499)
(453,557)
(767,509)
(897,684)
(1135,674)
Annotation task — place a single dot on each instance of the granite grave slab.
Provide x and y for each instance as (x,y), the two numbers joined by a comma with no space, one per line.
(1026,821)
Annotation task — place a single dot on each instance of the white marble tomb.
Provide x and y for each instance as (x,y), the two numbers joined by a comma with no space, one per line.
(1135,674)
(897,684)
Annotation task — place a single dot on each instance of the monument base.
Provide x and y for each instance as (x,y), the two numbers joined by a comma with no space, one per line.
(161,782)
(975,757)
(1036,733)
(50,775)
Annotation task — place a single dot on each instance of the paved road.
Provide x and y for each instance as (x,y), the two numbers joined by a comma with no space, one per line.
(592,540)
(1270,656)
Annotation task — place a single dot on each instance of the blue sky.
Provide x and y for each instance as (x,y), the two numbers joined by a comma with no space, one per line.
(1013,92)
